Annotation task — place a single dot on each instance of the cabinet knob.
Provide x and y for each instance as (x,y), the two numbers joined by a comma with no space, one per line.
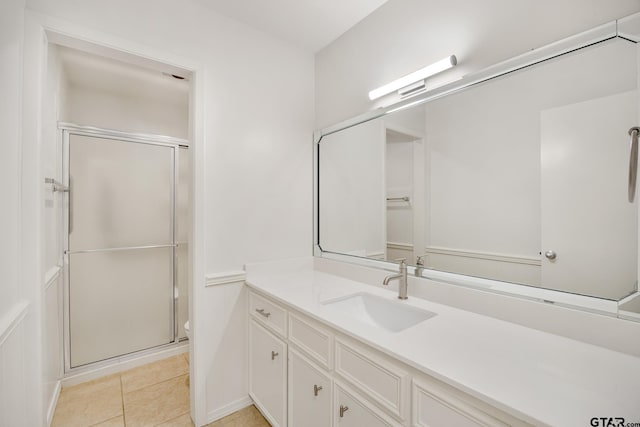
(273,355)
(316,389)
(262,312)
(343,409)
(551,255)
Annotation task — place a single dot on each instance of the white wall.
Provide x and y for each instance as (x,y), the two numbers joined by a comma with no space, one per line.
(11,36)
(111,94)
(258,122)
(20,391)
(405,35)
(94,107)
(52,286)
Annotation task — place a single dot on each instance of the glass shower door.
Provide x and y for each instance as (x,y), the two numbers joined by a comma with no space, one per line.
(121,247)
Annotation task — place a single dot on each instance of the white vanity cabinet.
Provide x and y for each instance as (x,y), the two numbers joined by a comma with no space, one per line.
(352,410)
(332,380)
(310,392)
(268,373)
(435,404)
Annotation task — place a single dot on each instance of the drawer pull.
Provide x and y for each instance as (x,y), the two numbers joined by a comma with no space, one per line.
(261,311)
(273,355)
(343,409)
(316,389)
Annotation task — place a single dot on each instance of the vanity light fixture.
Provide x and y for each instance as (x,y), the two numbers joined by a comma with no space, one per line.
(414,81)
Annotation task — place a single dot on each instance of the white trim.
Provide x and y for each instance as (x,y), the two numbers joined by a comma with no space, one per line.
(631,314)
(629,27)
(75,129)
(225,278)
(120,364)
(516,259)
(629,297)
(51,276)
(229,409)
(400,246)
(12,319)
(54,402)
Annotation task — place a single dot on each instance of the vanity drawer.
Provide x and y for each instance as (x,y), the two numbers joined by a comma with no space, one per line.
(316,341)
(268,313)
(380,379)
(435,405)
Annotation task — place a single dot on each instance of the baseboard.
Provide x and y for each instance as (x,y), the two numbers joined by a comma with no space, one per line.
(120,364)
(54,403)
(229,409)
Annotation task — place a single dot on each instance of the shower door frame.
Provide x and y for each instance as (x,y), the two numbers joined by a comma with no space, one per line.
(66,130)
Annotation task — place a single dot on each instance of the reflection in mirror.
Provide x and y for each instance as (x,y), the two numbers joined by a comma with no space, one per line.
(520,179)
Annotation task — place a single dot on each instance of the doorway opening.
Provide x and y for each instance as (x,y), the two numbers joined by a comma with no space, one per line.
(121,218)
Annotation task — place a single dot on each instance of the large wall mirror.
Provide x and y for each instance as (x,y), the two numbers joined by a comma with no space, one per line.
(519,178)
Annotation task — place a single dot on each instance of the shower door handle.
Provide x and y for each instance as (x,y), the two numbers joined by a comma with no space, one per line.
(70,209)
(633,162)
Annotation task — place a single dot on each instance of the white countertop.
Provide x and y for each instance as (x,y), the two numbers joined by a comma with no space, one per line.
(538,377)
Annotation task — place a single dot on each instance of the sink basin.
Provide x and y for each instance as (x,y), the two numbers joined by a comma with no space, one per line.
(392,316)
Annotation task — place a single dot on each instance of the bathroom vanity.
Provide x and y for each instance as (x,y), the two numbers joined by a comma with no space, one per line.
(326,350)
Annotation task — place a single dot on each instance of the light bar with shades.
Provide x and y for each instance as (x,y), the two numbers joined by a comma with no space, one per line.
(416,76)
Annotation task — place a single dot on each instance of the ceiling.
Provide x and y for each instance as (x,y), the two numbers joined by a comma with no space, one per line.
(311,24)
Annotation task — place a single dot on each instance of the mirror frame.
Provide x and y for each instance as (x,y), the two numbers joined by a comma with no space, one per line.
(627,28)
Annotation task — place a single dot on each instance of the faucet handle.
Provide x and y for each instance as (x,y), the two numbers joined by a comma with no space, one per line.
(420,260)
(403,264)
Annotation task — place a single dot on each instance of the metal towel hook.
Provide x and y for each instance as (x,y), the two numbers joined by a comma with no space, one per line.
(633,162)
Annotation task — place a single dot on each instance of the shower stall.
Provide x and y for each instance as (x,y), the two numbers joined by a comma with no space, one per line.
(126,233)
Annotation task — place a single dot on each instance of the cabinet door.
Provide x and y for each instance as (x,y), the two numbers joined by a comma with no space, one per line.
(309,393)
(268,374)
(352,410)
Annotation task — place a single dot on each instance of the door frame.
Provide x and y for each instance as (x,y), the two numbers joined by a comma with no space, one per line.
(40,30)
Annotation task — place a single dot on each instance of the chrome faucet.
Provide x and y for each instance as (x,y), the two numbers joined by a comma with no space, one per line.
(419,265)
(402,278)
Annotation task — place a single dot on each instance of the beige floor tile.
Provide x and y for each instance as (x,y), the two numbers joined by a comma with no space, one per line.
(89,403)
(186,357)
(226,420)
(153,373)
(247,417)
(157,403)
(113,422)
(181,421)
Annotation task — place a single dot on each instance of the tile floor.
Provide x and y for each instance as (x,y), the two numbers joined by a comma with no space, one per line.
(152,395)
